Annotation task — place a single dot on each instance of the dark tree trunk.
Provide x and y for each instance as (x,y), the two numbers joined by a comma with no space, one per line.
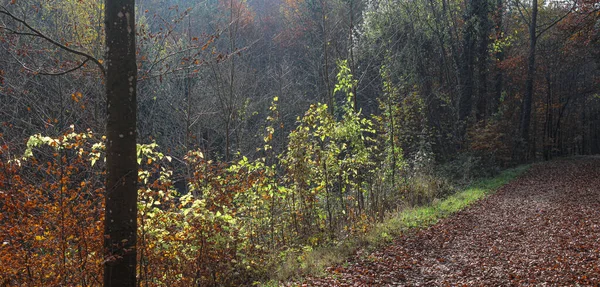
(466,66)
(120,225)
(482,58)
(548,139)
(499,57)
(524,145)
(466,77)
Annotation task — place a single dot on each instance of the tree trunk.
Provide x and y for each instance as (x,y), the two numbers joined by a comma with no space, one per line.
(549,124)
(498,85)
(466,72)
(120,224)
(483,30)
(499,57)
(329,91)
(466,69)
(523,148)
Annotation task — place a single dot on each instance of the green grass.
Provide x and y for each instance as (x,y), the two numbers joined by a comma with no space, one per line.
(423,216)
(314,261)
(427,215)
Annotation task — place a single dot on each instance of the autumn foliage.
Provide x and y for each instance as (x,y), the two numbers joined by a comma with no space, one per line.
(51,210)
(231,224)
(429,90)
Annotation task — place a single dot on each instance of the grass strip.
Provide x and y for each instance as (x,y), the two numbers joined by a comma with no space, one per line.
(314,261)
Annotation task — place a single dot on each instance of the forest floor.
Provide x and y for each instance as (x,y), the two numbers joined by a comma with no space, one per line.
(542,229)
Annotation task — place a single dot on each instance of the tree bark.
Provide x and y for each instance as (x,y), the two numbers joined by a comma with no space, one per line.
(466,68)
(499,57)
(120,225)
(483,30)
(524,148)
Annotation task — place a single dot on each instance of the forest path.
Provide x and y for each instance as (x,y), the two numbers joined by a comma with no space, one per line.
(542,229)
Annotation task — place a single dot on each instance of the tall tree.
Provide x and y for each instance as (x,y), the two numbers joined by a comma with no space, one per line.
(474,57)
(524,147)
(498,56)
(120,225)
(466,65)
(526,107)
(121,163)
(483,33)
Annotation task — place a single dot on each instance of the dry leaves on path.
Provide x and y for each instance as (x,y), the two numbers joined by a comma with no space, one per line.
(542,229)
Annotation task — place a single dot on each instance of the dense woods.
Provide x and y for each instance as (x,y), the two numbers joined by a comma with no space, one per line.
(265,129)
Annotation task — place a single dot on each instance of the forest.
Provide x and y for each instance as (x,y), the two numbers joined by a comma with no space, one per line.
(228,142)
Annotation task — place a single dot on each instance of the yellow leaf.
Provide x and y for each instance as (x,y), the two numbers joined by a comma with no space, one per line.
(149,161)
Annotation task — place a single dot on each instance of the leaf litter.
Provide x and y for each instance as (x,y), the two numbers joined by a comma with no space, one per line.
(542,229)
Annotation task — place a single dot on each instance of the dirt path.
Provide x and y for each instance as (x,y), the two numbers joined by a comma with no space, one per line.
(540,230)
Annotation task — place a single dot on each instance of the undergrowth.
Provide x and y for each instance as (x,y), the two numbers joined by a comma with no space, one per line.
(314,261)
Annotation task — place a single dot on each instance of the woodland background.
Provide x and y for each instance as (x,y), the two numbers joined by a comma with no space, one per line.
(268,128)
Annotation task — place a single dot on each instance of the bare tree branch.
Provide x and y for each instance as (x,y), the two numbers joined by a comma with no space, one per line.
(557,20)
(37,72)
(65,72)
(525,19)
(36,33)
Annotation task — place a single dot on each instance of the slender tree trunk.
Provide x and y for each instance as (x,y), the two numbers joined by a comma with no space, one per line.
(440,32)
(548,141)
(188,115)
(466,69)
(482,59)
(524,146)
(187,82)
(329,91)
(328,200)
(352,62)
(392,141)
(120,224)
(499,57)
(227,137)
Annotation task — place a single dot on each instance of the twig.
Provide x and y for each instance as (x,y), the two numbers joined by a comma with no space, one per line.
(39,34)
